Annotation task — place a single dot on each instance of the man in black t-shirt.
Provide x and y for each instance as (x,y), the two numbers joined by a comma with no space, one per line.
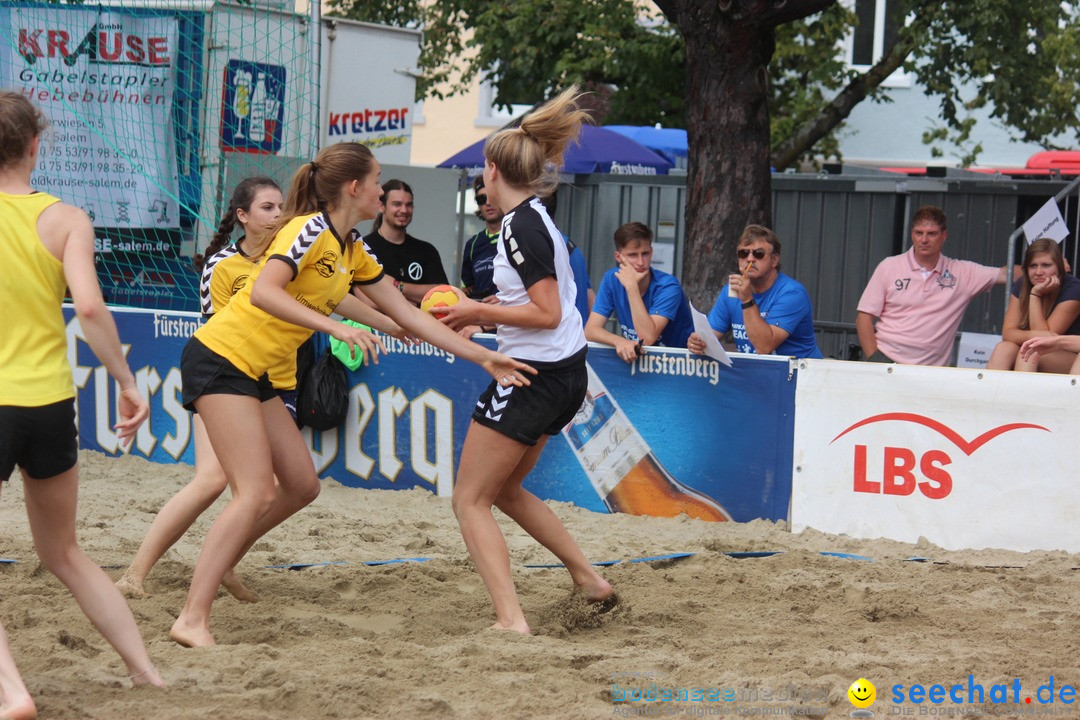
(414,265)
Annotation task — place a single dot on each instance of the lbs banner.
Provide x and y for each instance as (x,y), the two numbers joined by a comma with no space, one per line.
(668,434)
(964,458)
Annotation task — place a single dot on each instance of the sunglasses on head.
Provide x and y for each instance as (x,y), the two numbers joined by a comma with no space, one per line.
(743,253)
(481,199)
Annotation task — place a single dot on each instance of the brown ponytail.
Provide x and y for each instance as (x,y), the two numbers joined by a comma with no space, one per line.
(317,184)
(242,197)
(20,123)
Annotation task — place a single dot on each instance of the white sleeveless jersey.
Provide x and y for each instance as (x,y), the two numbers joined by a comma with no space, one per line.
(530,249)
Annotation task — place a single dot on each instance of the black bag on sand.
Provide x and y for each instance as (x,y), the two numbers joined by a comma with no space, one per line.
(322,394)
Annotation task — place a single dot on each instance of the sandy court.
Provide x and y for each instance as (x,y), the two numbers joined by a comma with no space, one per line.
(409,640)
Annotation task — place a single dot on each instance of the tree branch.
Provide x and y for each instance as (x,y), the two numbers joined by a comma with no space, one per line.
(668,7)
(791,10)
(841,106)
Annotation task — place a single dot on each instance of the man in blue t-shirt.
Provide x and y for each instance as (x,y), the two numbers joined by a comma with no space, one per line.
(649,304)
(766,311)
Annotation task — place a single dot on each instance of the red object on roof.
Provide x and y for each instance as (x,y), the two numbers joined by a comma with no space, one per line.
(1048,164)
(1062,159)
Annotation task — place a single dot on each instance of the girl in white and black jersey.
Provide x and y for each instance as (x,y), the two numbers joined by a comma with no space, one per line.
(537,323)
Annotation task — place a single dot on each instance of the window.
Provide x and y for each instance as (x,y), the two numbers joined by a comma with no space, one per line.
(489,115)
(879,23)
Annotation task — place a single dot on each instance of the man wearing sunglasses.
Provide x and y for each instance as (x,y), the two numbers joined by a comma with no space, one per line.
(918,299)
(478,257)
(765,310)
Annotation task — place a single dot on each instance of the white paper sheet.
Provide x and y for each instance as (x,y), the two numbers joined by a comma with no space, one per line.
(713,348)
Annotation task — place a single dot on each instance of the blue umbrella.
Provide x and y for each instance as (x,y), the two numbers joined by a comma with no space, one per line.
(598,151)
(669,142)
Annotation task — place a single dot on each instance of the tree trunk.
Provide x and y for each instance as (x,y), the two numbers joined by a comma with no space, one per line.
(727,93)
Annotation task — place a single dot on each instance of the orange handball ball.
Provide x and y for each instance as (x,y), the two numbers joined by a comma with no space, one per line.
(437,297)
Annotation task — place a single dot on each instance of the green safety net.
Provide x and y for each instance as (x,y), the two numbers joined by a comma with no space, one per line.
(156,113)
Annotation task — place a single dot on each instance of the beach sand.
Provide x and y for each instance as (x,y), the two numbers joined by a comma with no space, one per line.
(410,640)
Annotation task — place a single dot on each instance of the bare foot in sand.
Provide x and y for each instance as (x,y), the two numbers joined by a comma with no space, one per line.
(149,676)
(597,590)
(191,635)
(129,587)
(521,627)
(21,709)
(238,589)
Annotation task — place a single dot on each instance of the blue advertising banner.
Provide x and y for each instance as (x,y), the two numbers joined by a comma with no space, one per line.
(684,426)
(253,107)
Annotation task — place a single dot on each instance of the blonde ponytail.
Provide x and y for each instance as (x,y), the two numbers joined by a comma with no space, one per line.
(530,155)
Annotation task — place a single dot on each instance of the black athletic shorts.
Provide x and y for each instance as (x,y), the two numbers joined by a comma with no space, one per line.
(543,408)
(43,440)
(204,372)
(288,397)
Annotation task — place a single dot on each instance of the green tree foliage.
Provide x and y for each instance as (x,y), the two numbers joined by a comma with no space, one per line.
(1019,59)
(528,50)
(755,82)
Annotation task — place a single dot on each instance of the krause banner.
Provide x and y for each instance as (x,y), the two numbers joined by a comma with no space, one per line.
(104,78)
(687,432)
(964,458)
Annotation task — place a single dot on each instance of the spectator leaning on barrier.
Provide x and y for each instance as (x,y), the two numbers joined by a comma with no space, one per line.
(1045,301)
(918,298)
(413,264)
(766,311)
(649,304)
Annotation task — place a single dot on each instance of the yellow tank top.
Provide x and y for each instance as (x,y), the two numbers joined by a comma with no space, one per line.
(34,369)
(225,274)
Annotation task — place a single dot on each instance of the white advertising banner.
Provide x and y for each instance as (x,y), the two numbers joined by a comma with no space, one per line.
(964,458)
(369,87)
(105,82)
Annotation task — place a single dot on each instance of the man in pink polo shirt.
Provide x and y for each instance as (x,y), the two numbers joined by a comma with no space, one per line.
(918,299)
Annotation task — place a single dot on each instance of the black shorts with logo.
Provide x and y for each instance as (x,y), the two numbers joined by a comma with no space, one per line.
(543,408)
(204,372)
(43,440)
(288,398)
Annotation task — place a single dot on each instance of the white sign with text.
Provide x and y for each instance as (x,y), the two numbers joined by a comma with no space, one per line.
(964,458)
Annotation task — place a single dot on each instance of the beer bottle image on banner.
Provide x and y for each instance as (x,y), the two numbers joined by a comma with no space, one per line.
(623,469)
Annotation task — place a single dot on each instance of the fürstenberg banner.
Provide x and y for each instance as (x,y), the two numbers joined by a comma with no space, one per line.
(670,433)
(104,79)
(964,458)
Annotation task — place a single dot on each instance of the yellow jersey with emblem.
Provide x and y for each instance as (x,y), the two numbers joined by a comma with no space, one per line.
(226,273)
(34,369)
(324,269)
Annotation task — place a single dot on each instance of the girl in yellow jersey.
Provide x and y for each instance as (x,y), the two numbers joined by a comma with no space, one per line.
(224,269)
(313,263)
(49,246)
